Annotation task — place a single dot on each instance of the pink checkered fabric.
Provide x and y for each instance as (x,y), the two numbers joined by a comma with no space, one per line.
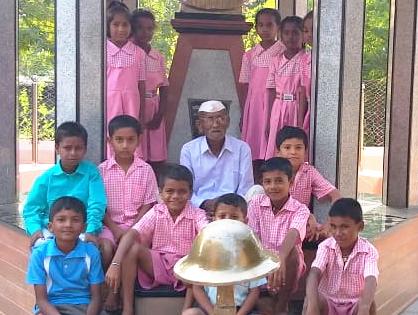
(157,227)
(127,56)
(127,192)
(344,284)
(281,67)
(308,181)
(272,229)
(258,57)
(155,62)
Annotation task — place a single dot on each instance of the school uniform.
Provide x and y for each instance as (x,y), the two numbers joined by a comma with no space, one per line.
(154,142)
(254,71)
(342,284)
(272,228)
(85,183)
(67,276)
(230,171)
(126,192)
(125,68)
(286,76)
(169,241)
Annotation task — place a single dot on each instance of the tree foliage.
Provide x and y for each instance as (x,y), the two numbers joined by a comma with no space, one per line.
(36,37)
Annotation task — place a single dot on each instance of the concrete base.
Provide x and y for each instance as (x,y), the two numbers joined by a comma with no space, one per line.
(158,305)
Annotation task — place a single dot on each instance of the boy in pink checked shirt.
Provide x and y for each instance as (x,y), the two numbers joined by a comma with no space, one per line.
(131,189)
(280,222)
(170,228)
(343,277)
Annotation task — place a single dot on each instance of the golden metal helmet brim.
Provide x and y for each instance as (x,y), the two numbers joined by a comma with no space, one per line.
(225,252)
(194,274)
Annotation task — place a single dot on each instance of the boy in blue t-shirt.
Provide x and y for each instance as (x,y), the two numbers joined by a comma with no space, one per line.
(71,176)
(65,271)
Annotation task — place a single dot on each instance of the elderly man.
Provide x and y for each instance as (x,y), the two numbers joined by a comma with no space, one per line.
(220,163)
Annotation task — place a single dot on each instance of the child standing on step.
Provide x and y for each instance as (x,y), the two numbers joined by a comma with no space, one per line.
(288,83)
(150,249)
(253,77)
(125,67)
(154,146)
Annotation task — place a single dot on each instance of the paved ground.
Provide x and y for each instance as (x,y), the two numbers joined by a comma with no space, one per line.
(412,309)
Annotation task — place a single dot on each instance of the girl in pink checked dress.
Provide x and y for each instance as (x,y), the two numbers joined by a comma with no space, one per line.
(253,77)
(288,83)
(154,146)
(125,66)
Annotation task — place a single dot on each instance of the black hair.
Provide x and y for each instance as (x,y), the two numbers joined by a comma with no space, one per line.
(142,13)
(290,132)
(70,129)
(113,9)
(296,20)
(347,207)
(277,164)
(273,12)
(176,172)
(124,121)
(308,16)
(234,200)
(68,203)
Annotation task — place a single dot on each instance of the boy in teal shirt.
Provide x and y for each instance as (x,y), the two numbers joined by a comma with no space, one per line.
(71,176)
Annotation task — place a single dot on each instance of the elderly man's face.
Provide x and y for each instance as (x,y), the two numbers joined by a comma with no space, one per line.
(214,125)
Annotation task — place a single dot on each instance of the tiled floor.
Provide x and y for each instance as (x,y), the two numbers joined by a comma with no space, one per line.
(412,309)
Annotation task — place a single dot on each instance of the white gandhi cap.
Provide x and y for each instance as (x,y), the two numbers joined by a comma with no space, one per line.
(211,107)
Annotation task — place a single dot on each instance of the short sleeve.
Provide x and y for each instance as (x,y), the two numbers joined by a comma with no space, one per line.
(320,186)
(370,266)
(145,227)
(299,221)
(271,77)
(152,187)
(244,76)
(36,272)
(201,220)
(321,258)
(142,66)
(163,71)
(253,218)
(96,272)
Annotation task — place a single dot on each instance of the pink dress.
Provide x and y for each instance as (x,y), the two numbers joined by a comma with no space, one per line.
(254,71)
(154,145)
(287,77)
(125,68)
(307,77)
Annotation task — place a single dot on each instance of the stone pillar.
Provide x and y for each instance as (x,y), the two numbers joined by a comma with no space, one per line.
(80,68)
(92,69)
(292,7)
(337,61)
(66,60)
(401,143)
(8,55)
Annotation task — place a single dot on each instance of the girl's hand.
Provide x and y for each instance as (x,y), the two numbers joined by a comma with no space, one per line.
(312,231)
(113,277)
(277,279)
(155,122)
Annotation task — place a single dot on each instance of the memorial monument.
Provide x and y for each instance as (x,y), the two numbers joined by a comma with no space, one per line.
(205,66)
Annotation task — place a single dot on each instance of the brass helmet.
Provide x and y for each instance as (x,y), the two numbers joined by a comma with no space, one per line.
(225,252)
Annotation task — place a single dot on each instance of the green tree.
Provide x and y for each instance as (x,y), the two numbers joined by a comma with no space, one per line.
(36,37)
(376,39)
